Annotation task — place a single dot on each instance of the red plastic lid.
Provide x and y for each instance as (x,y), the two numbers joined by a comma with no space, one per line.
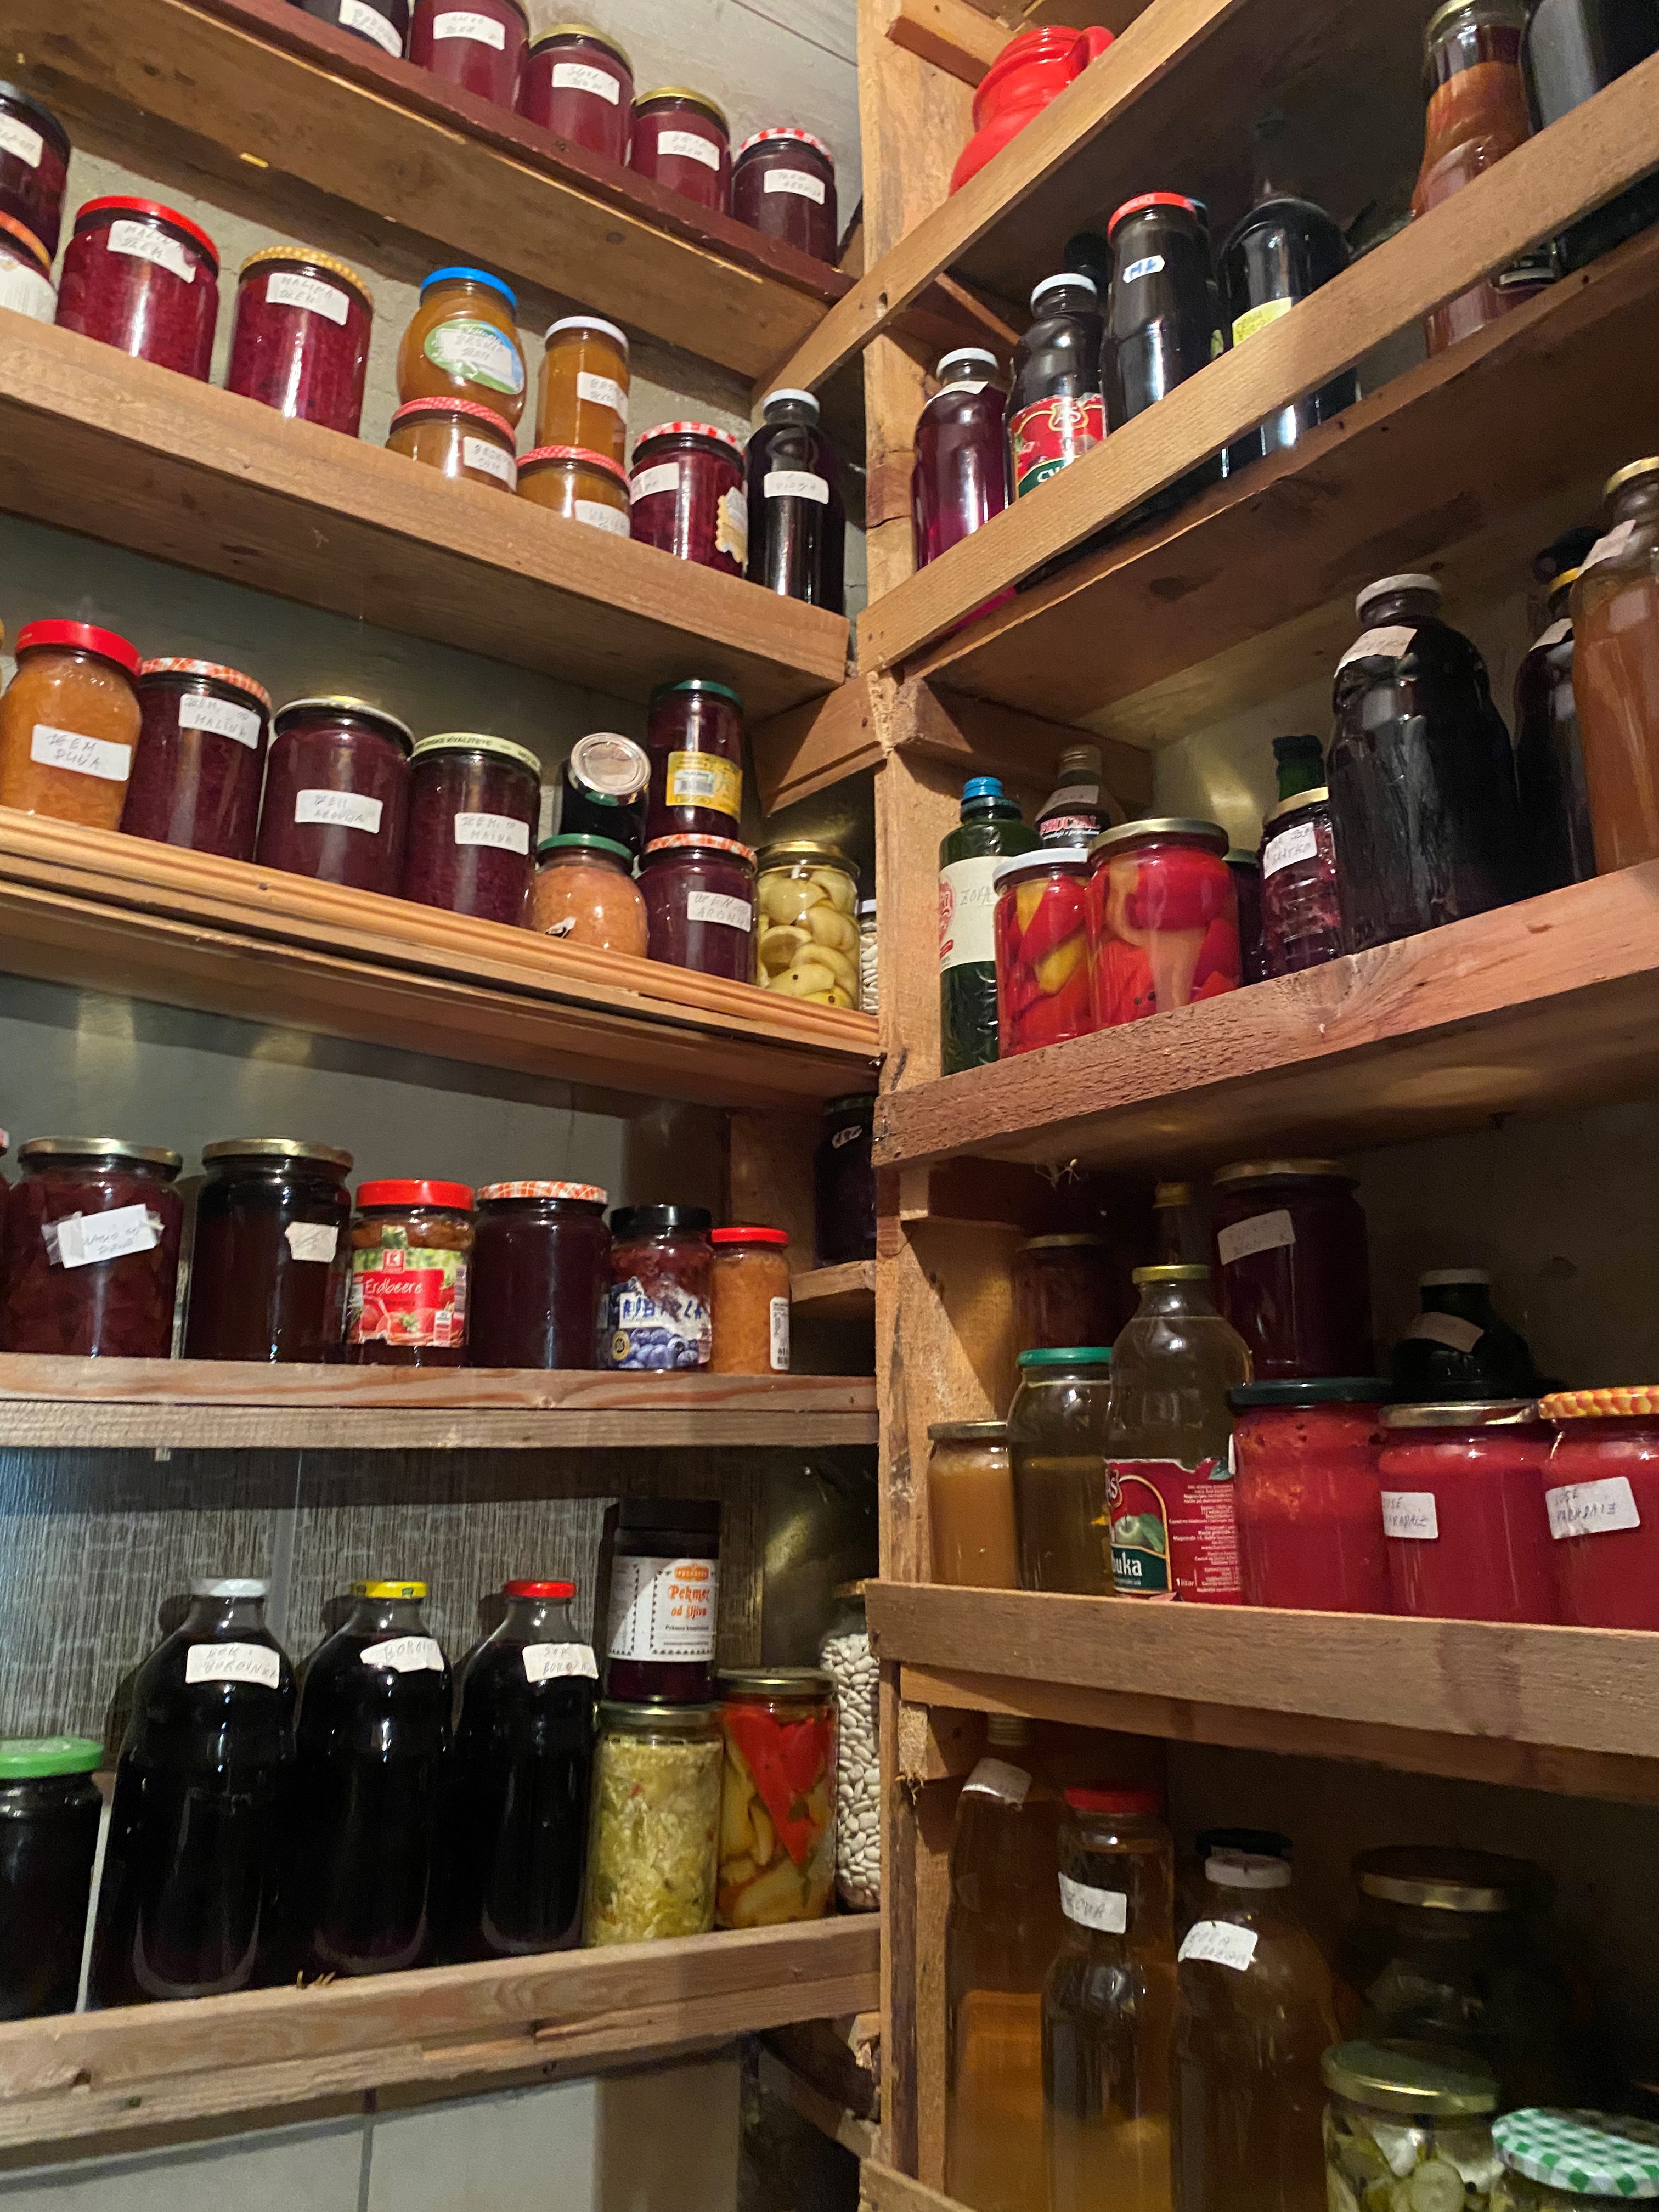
(85,636)
(575,453)
(589,1192)
(1115,1800)
(20,234)
(213,672)
(687,429)
(685,841)
(1150,200)
(785,130)
(749,1236)
(456,1194)
(469,409)
(538,1590)
(117,203)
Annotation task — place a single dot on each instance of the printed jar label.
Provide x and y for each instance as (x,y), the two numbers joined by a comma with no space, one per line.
(308,293)
(1219,1942)
(668,1330)
(732,526)
(23,145)
(598,516)
(489,460)
(356,15)
(1387,644)
(1411,1515)
(718,907)
(999,1778)
(1299,842)
(690,148)
(967,913)
(404,1654)
(463,23)
(705,779)
(234,1663)
(797,181)
(577,76)
(26,292)
(1592,1509)
(1263,1232)
(78,756)
(663,1608)
(556,1663)
(796,483)
(476,353)
(339,810)
(499,831)
(412,1295)
(313,1240)
(1151,266)
(86,1240)
(1105,1910)
(220,716)
(602,391)
(1175,1530)
(1047,437)
(1449,1329)
(144,244)
(663,477)
(780,1336)
(1258,318)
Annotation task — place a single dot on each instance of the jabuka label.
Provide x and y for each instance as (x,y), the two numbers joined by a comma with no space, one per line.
(1048,436)
(1175,1530)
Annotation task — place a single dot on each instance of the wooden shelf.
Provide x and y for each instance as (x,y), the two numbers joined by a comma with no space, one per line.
(1550,1003)
(107,2073)
(843,1293)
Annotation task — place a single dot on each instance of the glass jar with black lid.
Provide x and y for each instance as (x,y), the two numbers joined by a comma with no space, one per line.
(599,791)
(49,1813)
(272,1257)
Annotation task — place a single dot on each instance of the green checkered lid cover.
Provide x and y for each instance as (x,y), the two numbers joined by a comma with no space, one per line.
(1593,2152)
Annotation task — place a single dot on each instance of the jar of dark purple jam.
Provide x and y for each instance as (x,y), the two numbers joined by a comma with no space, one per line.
(479,48)
(200,759)
(336,794)
(540,1268)
(657,1649)
(1292,1272)
(143,278)
(783,185)
(694,737)
(579,84)
(474,808)
(35,152)
(681,139)
(301,340)
(385,24)
(688,494)
(1301,901)
(89,1260)
(272,1255)
(50,1813)
(699,895)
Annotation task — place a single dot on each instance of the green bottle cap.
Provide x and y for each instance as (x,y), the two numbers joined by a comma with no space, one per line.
(27,1758)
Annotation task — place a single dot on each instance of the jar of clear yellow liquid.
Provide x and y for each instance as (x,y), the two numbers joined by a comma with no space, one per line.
(1057,1440)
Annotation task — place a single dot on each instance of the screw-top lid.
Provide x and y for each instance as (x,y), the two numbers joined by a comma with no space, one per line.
(1046,284)
(790,392)
(702,99)
(785,130)
(1110,1797)
(1049,860)
(274,1148)
(212,671)
(118,204)
(1143,201)
(686,430)
(981,787)
(1246,1843)
(342,704)
(101,1148)
(1304,746)
(1248,1871)
(1162,825)
(610,764)
(587,323)
(694,685)
(778,1237)
(1320,1390)
(1446,1278)
(1411,2077)
(399,1192)
(583,31)
(1474,1413)
(588,1194)
(660,1220)
(1316,794)
(312,259)
(469,410)
(806,850)
(1623,1399)
(389,1589)
(1265,1170)
(1438,1878)
(231,1586)
(458,274)
(80,637)
(1629,473)
(582,841)
(1070,1240)
(967,1432)
(686,841)
(1590,2154)
(555,1589)
(34,1758)
(470,741)
(964,360)
(776,1681)
(1185,1270)
(1072,1355)
(584,456)
(1386,586)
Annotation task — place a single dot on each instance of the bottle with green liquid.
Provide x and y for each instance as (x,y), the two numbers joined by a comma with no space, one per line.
(990,829)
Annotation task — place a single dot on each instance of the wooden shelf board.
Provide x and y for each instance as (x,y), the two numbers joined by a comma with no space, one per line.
(1550,1003)
(105,2074)
(843,1293)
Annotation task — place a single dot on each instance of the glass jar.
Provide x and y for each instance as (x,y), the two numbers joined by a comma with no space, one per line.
(797,528)
(585,894)
(681,139)
(694,740)
(1553,2161)
(783,184)
(300,341)
(35,152)
(91,1250)
(1411,2118)
(1458,1347)
(336,794)
(25,285)
(749,1302)
(540,1268)
(844,1183)
(688,497)
(1301,901)
(777,1859)
(200,762)
(1282,251)
(479,48)
(660,1570)
(869,958)
(582,400)
(1042,967)
(1601,1495)
(474,805)
(385,25)
(463,344)
(1163,308)
(1066,1291)
(808,941)
(1464,1516)
(846,1657)
(411,1266)
(699,895)
(1245,870)
(657,1305)
(598,790)
(70,721)
(579,84)
(582,487)
(1294,1273)
(1571,50)
(458,438)
(654,1839)
(1549,757)
(1309,1494)
(960,477)
(970,1506)
(143,278)
(1615,621)
(1162,918)
(50,1809)
(272,1261)
(1055,413)
(1057,1441)
(1182,1220)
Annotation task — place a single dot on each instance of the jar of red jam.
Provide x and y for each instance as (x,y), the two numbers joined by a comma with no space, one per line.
(200,760)
(25,285)
(1042,952)
(658,1302)
(689,496)
(579,84)
(336,794)
(271,1257)
(1162,918)
(699,895)
(299,342)
(385,24)
(35,152)
(1464,1517)
(480,47)
(1309,1497)
(694,736)
(462,438)
(144,278)
(582,486)
(1602,1497)
(474,807)
(783,184)
(1292,1267)
(412,1254)
(90,1257)
(540,1271)
(1301,903)
(660,1569)
(1068,1289)
(681,139)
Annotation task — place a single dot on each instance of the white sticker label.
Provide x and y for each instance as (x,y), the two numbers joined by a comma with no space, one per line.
(145,244)
(1263,1232)
(1449,1329)
(500,830)
(463,23)
(602,391)
(284,289)
(665,476)
(1554,634)
(26,292)
(577,76)
(598,516)
(1299,842)
(1220,1943)
(1592,1509)
(20,142)
(313,1240)
(222,717)
(690,148)
(554,1662)
(489,460)
(1608,548)
(1105,1910)
(966,914)
(404,1654)
(1148,267)
(234,1663)
(1411,1514)
(780,1336)
(715,906)
(355,15)
(86,1240)
(79,755)
(797,181)
(1379,644)
(796,483)
(339,810)
(663,1608)
(998,1779)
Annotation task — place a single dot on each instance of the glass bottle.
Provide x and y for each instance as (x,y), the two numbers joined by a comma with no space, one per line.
(1168,1473)
(1162,325)
(1571,50)
(1075,813)
(1055,410)
(1282,251)
(991,828)
(797,526)
(1458,1347)
(1549,761)
(1298,765)
(960,477)
(1184,1235)
(1615,670)
(1057,1428)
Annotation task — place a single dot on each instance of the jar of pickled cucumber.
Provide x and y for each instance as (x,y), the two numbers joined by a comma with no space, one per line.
(1408,2128)
(807,943)
(1553,2161)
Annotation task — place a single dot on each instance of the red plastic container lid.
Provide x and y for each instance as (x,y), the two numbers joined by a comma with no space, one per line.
(783,131)
(538,1590)
(749,1236)
(85,637)
(213,672)
(589,1192)
(456,1194)
(1148,200)
(1125,1802)
(683,840)
(469,409)
(118,204)
(687,429)
(582,453)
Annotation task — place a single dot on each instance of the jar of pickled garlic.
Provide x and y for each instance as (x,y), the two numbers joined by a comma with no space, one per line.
(688,496)
(808,941)
(459,439)
(579,84)
(474,808)
(693,739)
(143,278)
(463,344)
(89,1259)
(68,724)
(699,895)
(1042,967)
(783,185)
(585,894)
(750,1302)
(479,48)
(35,152)
(777,1857)
(1162,918)
(300,343)
(411,1255)
(583,487)
(336,794)
(582,400)
(682,140)
(200,763)
(25,285)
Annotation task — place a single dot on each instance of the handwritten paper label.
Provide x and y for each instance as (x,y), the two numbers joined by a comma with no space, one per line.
(602,391)
(552,1662)
(234,1663)
(665,476)
(1554,634)
(313,1240)
(489,460)
(1592,1509)
(499,830)
(463,24)
(1379,644)
(1299,842)
(577,76)
(79,755)
(1150,265)
(1263,1232)
(998,1779)
(796,483)
(339,810)
(23,145)
(86,1240)
(717,907)
(1220,1943)
(690,148)
(26,292)
(1449,1329)
(404,1654)
(1105,1910)
(284,289)
(1411,1514)
(145,244)
(1608,547)
(222,717)
(598,516)
(797,181)
(356,15)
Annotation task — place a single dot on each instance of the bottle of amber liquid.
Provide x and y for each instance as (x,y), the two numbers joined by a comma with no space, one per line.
(1615,672)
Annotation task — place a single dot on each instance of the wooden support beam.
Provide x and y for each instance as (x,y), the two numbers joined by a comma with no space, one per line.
(950,34)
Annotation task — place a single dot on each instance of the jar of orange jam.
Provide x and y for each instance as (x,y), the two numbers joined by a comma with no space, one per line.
(458,439)
(463,344)
(583,401)
(589,488)
(69,723)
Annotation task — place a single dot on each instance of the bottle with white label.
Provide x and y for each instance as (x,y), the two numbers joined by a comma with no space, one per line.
(783,184)
(92,1240)
(336,806)
(479,47)
(991,828)
(272,1255)
(475,807)
(658,1594)
(797,526)
(203,1820)
(1458,1346)
(1293,1273)
(682,140)
(1161,320)
(1108,2004)
(1549,759)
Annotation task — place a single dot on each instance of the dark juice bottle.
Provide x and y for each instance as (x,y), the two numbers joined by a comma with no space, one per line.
(1076,812)
(1161,327)
(797,525)
(516,1829)
(960,477)
(1549,762)
(990,829)
(1055,412)
(373,1738)
(203,1816)
(1284,249)
(1571,49)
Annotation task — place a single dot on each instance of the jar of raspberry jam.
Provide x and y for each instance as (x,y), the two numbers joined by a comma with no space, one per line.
(271,1260)
(688,497)
(200,760)
(301,339)
(90,1258)
(540,1270)
(579,84)
(479,48)
(459,438)
(583,487)
(143,278)
(385,24)
(699,895)
(1308,1495)
(474,806)
(336,794)
(783,185)
(694,738)
(681,139)
(35,152)
(1601,1495)
(1464,1522)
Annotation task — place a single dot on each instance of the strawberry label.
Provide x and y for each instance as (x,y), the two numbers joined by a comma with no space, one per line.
(408,1295)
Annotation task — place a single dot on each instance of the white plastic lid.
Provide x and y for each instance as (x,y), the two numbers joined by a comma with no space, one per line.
(788,391)
(962,355)
(1388,584)
(1441,1278)
(207,1586)
(588,323)
(1245,1870)
(1066,276)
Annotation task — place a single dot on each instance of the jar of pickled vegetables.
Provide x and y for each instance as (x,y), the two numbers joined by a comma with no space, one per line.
(463,344)
(582,400)
(688,497)
(1043,968)
(459,439)
(1408,2128)
(1554,2161)
(808,942)
(583,487)
(1162,918)
(68,724)
(777,1860)
(653,1833)
(89,1259)
(579,84)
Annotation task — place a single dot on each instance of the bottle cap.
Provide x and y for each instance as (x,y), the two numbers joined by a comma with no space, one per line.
(1386,586)
(457,1195)
(790,392)
(389,1589)
(1066,276)
(214,1586)
(458,276)
(34,1758)
(1107,1797)
(554,1589)
(981,787)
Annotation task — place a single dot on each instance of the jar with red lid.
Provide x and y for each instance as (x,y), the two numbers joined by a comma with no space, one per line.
(35,152)
(699,895)
(480,48)
(460,438)
(1162,918)
(1309,1497)
(200,760)
(681,139)
(750,1302)
(90,1257)
(583,487)
(336,794)
(694,738)
(783,184)
(688,497)
(144,278)
(658,1304)
(411,1255)
(1301,901)
(474,806)
(1601,1498)
(579,84)
(385,24)
(1042,967)
(1292,1267)
(1464,1517)
(540,1271)
(68,724)
(25,285)
(299,342)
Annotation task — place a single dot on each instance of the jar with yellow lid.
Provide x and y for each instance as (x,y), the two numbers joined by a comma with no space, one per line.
(808,939)
(300,343)
(583,397)
(459,439)
(69,722)
(1408,2124)
(463,344)
(681,139)
(579,84)
(583,487)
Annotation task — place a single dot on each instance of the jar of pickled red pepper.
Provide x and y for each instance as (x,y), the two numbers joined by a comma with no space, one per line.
(459,439)
(271,1258)
(807,944)
(783,185)
(200,762)
(1162,918)
(750,1302)
(688,497)
(1602,1497)
(582,400)
(474,807)
(25,285)
(657,1306)
(699,895)
(385,25)
(1308,1496)
(143,278)
(585,894)
(682,140)
(1464,1521)
(479,48)
(778,1796)
(336,794)
(300,343)
(90,1257)
(589,488)
(1042,949)
(70,721)
(411,1259)
(579,84)
(694,738)
(540,1271)
(1301,901)
(35,152)
(463,344)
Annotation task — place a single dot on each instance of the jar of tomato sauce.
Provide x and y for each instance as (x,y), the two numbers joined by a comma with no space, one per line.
(582,400)
(144,278)
(583,487)
(1601,1495)
(68,724)
(411,1258)
(480,48)
(89,1260)
(1463,1515)
(682,139)
(658,1305)
(1294,1270)
(459,439)
(688,497)
(1162,918)
(783,185)
(1042,967)
(463,344)
(1308,1495)
(35,152)
(200,763)
(301,339)
(336,794)
(699,895)
(579,84)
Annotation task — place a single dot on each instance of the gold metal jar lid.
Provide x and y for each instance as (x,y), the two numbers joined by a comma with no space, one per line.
(1316,797)
(1185,1270)
(1629,474)
(684,92)
(583,31)
(1444,1879)
(469,741)
(313,260)
(1070,1241)
(967,1432)
(1161,825)
(793,851)
(1257,1170)
(100,1148)
(341,703)
(1477,1413)
(775,1682)
(1411,2078)
(275,1148)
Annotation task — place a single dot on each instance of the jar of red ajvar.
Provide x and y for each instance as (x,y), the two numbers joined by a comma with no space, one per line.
(1464,1516)
(681,139)
(301,341)
(579,84)
(783,185)
(1601,1495)
(89,1259)
(200,760)
(411,1255)
(1162,918)
(480,47)
(1042,967)
(144,278)
(689,496)
(35,152)
(1308,1495)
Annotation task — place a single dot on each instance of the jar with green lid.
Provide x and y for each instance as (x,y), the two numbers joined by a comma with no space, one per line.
(49,1813)
(807,941)
(1558,2160)
(653,1837)
(1408,2128)
(970,1505)
(1057,1441)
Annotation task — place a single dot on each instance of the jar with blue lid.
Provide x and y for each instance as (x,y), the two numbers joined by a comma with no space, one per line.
(463,344)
